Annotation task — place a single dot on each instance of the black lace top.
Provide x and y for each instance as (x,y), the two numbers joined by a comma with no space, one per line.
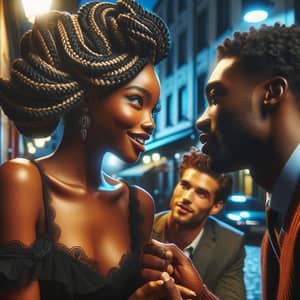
(65,273)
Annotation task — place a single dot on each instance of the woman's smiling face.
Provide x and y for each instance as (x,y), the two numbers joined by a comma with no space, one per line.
(123,121)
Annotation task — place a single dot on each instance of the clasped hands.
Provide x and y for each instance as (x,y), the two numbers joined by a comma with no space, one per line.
(168,274)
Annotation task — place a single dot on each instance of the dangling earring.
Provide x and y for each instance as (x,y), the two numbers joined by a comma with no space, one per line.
(84,123)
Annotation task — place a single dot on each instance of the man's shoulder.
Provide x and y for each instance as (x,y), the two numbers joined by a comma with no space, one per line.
(224,228)
(159,225)
(161,217)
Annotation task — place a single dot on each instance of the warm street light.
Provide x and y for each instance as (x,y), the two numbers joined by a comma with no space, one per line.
(255,16)
(32,8)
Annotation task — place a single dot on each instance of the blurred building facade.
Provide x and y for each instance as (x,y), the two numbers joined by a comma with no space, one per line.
(197,27)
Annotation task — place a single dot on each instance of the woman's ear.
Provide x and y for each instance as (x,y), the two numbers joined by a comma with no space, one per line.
(217,207)
(275,89)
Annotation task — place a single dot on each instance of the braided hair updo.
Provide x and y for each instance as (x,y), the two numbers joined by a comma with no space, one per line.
(104,45)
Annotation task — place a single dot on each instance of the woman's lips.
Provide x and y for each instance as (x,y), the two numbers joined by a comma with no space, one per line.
(138,140)
(137,144)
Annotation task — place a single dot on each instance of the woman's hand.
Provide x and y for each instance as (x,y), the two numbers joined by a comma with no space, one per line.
(161,289)
(159,257)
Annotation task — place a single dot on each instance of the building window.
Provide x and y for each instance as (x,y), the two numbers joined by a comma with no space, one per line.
(182,104)
(169,111)
(155,120)
(170,62)
(182,51)
(170,15)
(181,5)
(223,16)
(201,93)
(297,12)
(202,30)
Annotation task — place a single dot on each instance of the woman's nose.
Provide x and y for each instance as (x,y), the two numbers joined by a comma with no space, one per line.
(148,124)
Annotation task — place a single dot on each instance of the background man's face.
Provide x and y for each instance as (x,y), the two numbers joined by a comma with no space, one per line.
(232,124)
(193,197)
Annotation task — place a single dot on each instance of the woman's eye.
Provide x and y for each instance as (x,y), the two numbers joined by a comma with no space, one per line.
(137,100)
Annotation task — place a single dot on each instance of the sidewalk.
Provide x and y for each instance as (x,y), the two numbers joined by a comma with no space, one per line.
(252,273)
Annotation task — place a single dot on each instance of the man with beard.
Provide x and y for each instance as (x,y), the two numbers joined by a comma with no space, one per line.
(216,249)
(252,121)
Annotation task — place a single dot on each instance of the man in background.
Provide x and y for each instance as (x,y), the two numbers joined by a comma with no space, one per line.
(216,249)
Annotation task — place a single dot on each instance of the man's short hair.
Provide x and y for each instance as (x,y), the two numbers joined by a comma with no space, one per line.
(197,160)
(269,50)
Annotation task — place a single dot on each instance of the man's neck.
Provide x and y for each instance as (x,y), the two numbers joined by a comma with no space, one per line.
(180,234)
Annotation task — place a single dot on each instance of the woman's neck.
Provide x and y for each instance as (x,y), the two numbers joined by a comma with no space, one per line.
(76,164)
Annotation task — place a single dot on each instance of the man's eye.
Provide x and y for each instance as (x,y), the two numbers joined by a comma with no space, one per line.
(184,185)
(213,97)
(202,194)
(138,100)
(213,100)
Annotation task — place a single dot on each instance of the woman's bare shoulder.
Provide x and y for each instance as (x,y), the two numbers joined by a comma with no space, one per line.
(20,199)
(19,172)
(143,197)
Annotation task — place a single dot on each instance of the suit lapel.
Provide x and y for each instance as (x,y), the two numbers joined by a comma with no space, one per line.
(204,250)
(159,226)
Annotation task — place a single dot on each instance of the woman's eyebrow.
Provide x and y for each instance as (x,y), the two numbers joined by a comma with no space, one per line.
(139,88)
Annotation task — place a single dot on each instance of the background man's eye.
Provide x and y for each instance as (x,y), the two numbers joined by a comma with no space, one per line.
(201,194)
(184,185)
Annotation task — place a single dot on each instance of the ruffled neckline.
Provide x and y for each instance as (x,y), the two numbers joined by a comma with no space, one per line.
(77,252)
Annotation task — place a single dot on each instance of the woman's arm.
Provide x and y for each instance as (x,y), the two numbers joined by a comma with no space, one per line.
(21,204)
(146,210)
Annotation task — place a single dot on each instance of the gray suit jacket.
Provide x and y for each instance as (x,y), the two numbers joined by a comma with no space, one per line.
(219,256)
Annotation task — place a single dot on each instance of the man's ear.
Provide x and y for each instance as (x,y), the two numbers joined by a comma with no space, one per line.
(216,207)
(275,89)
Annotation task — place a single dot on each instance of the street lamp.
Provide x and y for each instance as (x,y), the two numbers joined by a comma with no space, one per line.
(32,8)
(256,10)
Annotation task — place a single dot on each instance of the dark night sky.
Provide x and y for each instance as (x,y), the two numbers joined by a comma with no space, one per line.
(145,3)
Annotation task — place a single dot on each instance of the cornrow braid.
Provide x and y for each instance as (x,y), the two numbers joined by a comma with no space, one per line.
(104,45)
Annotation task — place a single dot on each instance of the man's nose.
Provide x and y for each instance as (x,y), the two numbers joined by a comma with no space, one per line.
(188,196)
(203,122)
